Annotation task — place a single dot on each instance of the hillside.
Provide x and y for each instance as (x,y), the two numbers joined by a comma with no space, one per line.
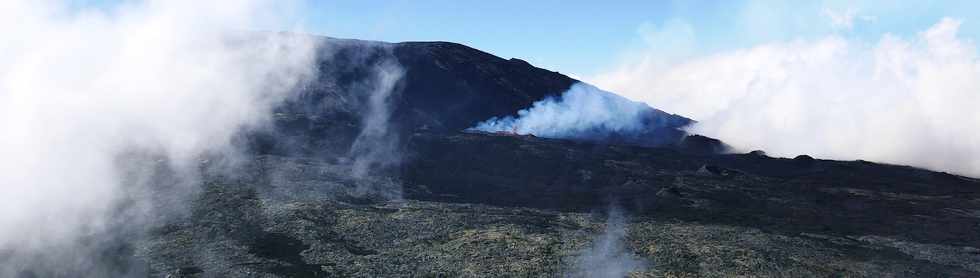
(368,172)
(436,87)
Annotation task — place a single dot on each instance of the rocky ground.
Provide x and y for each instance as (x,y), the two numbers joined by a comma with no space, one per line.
(413,238)
(546,212)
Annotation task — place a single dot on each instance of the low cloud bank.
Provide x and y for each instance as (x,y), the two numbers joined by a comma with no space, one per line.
(97,104)
(898,100)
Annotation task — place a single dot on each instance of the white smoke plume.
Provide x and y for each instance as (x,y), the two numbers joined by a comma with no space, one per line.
(377,145)
(583,111)
(376,148)
(80,89)
(898,100)
(608,256)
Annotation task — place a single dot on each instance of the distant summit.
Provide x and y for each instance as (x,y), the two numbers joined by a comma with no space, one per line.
(443,87)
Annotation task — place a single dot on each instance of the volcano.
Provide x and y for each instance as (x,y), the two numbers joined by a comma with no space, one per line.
(445,88)
(431,199)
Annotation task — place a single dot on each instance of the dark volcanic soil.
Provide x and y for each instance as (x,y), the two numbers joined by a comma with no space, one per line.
(491,205)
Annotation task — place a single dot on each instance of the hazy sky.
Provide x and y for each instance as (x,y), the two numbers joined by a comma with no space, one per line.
(586,37)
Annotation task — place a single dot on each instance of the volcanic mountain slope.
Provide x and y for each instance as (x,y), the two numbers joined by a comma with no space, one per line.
(438,87)
(532,207)
(480,205)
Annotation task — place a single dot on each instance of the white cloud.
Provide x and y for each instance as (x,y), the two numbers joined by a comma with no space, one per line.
(175,78)
(846,19)
(841,19)
(899,100)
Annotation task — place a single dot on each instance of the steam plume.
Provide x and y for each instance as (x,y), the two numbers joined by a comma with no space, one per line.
(376,145)
(584,112)
(608,257)
(898,100)
(83,91)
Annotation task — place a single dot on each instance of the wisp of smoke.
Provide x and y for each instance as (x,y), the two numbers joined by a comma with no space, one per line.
(376,145)
(608,257)
(899,100)
(583,112)
(83,90)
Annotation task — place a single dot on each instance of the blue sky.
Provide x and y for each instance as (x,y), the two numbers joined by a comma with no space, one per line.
(585,37)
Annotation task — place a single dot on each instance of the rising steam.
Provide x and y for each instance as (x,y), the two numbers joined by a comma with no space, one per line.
(608,256)
(81,91)
(584,112)
(898,100)
(376,146)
